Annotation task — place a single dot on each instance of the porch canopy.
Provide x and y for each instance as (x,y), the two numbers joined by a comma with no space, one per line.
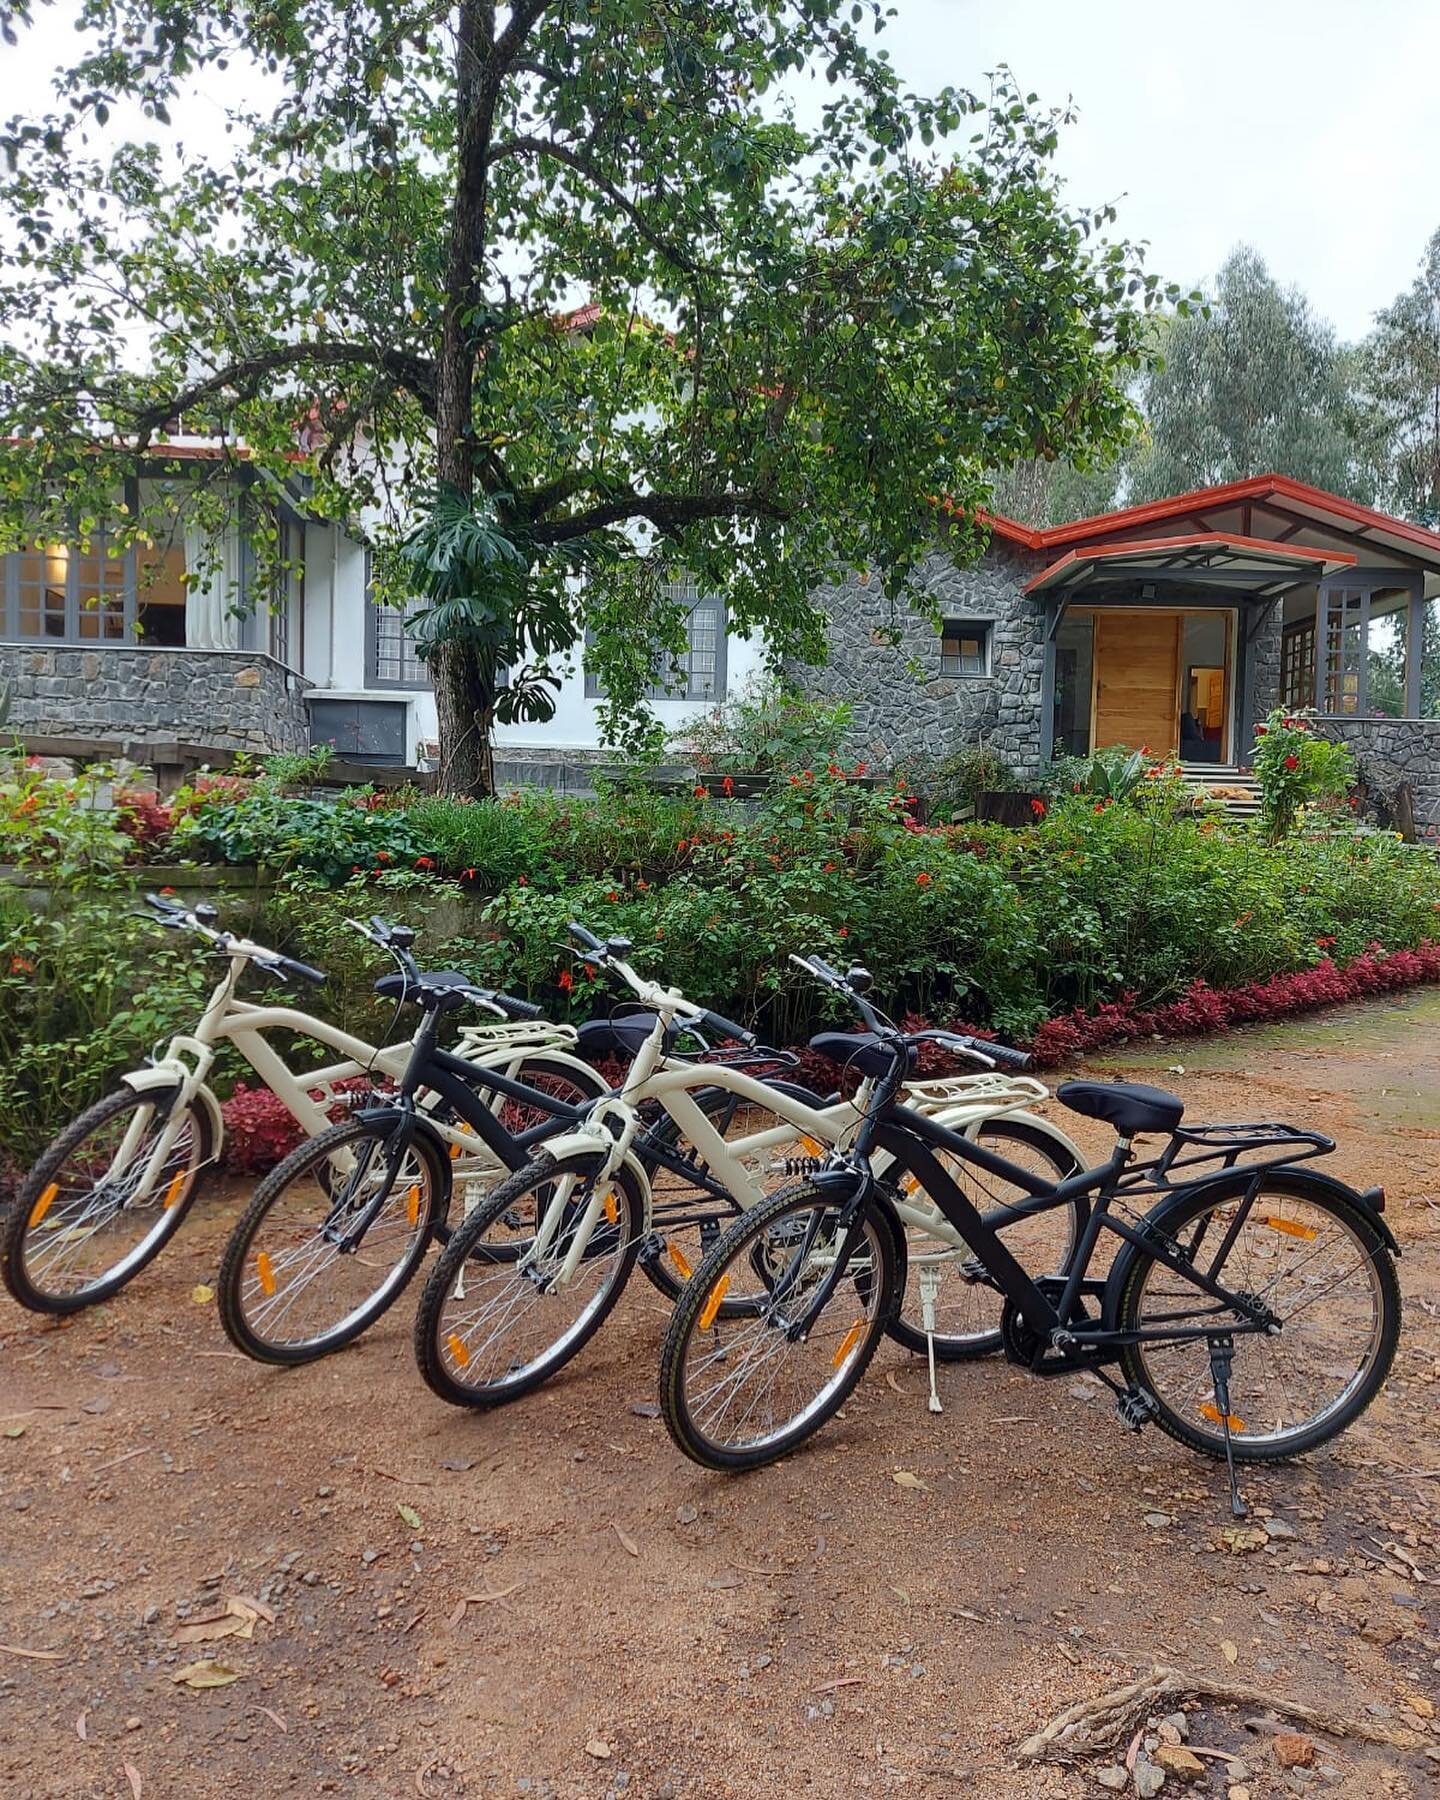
(1255,569)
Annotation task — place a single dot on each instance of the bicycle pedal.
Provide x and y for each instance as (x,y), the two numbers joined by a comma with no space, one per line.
(1135,1409)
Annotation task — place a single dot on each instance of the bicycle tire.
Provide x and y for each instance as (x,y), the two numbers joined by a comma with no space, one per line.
(1133,1266)
(433,1336)
(36,1195)
(232,1277)
(697,1311)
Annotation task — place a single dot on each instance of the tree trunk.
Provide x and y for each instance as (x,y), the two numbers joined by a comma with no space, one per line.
(466,709)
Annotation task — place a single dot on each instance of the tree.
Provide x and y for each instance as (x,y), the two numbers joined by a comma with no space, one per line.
(1040,493)
(1253,385)
(1399,368)
(575,270)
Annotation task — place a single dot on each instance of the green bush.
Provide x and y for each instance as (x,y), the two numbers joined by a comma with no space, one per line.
(1298,768)
(955,783)
(765,730)
(333,839)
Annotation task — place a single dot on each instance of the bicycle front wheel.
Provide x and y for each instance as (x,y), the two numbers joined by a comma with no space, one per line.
(330,1239)
(1316,1262)
(809,1292)
(104,1199)
(527,1280)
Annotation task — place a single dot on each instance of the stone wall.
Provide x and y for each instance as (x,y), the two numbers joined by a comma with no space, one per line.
(220,699)
(1390,750)
(902,706)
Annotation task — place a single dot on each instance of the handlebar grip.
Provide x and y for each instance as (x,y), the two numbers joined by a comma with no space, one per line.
(162,903)
(1003,1054)
(587,940)
(303,971)
(819,964)
(518,1009)
(724,1027)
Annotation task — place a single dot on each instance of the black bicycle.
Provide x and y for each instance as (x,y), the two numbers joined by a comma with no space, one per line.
(1252,1312)
(334,1234)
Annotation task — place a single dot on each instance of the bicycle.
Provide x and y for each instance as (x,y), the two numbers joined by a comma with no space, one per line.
(1212,1303)
(499,1313)
(104,1198)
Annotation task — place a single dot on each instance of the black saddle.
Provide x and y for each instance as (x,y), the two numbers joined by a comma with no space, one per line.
(861,1051)
(1127,1105)
(619,1035)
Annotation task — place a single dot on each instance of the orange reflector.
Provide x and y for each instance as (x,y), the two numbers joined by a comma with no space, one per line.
(847,1343)
(412,1206)
(712,1305)
(454,1153)
(612,1209)
(1291,1228)
(43,1204)
(677,1256)
(458,1350)
(1212,1413)
(175,1189)
(810,1146)
(265,1272)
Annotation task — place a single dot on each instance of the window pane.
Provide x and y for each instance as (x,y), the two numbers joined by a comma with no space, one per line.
(43,574)
(99,574)
(963,648)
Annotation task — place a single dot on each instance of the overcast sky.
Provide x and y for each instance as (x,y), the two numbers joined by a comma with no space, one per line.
(1308,128)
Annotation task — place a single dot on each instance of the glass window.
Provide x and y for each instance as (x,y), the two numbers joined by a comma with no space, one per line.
(1297,664)
(391,658)
(699,672)
(965,647)
(1074,661)
(44,572)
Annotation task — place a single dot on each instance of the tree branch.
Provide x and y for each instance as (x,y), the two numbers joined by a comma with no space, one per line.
(562,153)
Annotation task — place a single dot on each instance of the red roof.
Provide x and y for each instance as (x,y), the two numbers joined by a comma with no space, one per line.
(1344,514)
(1213,548)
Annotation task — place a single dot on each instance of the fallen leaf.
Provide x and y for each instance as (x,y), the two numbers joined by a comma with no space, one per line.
(207,1674)
(258,1607)
(903,1594)
(80,1725)
(892,1382)
(1419,1705)
(14,1431)
(409,1515)
(201,1294)
(457,1615)
(132,1775)
(221,1625)
(39,1655)
(903,1478)
(599,1749)
(1240,1540)
(1229,1651)
(271,1714)
(627,1543)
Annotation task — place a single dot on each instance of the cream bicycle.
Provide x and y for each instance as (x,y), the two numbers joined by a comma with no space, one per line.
(530,1276)
(105,1197)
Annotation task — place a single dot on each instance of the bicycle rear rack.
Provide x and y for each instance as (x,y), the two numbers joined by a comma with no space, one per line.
(1255,1144)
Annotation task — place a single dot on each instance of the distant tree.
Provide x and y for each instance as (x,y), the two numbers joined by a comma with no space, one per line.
(1037,492)
(1399,376)
(1252,385)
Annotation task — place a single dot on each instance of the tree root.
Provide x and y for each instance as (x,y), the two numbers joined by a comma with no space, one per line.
(1092,1726)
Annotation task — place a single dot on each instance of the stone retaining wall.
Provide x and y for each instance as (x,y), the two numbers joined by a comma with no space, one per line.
(228,699)
(1398,749)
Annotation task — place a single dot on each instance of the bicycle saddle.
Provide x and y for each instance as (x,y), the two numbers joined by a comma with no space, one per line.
(861,1051)
(621,1036)
(1129,1106)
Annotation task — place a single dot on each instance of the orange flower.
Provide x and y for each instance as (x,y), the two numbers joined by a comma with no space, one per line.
(727,786)
(566,981)
(923,879)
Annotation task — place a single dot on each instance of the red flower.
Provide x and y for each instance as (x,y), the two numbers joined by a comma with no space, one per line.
(1324,943)
(1075,787)
(354,868)
(470,874)
(860,768)
(833,769)
(1292,762)
(522,882)
(727,786)
(643,885)
(702,792)
(566,981)
(1302,724)
(1099,806)
(1038,808)
(612,896)
(922,879)
(829,869)
(21,965)
(1354,802)
(383,856)
(424,862)
(845,929)
(1262,731)
(167,890)
(807,774)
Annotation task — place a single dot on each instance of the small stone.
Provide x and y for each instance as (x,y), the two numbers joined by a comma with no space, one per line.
(311,1578)
(763,1661)
(133,1723)
(369,1556)
(324,1493)
(1148,1779)
(1176,1760)
(1157,1521)
(1293,1750)
(1179,1724)
(1238,1793)
(599,1749)
(1278,1529)
(686,1514)
(1116,1777)
(1237,1770)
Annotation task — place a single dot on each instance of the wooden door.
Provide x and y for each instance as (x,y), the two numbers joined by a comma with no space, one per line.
(1137,664)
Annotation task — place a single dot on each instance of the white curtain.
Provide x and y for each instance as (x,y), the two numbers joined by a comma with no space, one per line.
(211,621)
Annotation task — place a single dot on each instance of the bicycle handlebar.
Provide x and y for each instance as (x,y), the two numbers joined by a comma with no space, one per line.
(723,1027)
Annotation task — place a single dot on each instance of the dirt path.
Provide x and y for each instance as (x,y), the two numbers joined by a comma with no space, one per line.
(642,1628)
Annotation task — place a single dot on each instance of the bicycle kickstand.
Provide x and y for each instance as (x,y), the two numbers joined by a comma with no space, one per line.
(1222,1357)
(929,1288)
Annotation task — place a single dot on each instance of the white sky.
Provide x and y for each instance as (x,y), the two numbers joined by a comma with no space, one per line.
(1308,128)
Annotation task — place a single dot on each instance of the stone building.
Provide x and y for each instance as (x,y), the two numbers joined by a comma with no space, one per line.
(1175,626)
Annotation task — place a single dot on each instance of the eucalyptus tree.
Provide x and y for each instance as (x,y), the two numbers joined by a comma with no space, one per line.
(570,293)
(1399,367)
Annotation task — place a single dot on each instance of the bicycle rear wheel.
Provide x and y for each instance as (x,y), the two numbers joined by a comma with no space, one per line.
(330,1239)
(104,1199)
(814,1292)
(499,1314)
(1316,1261)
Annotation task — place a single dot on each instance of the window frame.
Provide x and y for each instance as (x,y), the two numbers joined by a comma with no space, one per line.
(71,636)
(964,625)
(417,681)
(685,588)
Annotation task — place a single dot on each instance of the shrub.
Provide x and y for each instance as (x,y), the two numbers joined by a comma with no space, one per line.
(1297,768)
(765,730)
(333,839)
(955,783)
(66,827)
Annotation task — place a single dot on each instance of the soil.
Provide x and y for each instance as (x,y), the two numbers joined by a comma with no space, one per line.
(636,1626)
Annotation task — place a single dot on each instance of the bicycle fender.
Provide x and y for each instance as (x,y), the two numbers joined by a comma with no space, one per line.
(557,1150)
(422,1128)
(1230,1184)
(1046,1127)
(142,1080)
